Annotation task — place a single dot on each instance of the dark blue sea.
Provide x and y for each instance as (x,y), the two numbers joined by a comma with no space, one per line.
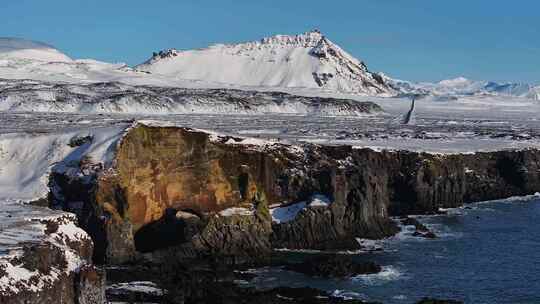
(486,253)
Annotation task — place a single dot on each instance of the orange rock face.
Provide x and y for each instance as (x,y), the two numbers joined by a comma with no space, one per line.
(160,168)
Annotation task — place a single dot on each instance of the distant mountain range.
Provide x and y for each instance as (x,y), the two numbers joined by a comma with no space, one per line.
(308,61)
(465,87)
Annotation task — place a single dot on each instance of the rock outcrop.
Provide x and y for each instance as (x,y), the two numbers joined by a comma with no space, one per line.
(219,195)
(336,266)
(194,281)
(46,258)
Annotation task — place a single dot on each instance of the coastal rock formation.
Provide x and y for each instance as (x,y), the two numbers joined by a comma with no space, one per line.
(335,266)
(46,258)
(423,183)
(420,229)
(194,281)
(224,196)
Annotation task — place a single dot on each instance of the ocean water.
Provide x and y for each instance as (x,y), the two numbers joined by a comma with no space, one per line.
(487,253)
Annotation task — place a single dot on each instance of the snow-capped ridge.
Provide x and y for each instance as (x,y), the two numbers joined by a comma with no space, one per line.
(308,39)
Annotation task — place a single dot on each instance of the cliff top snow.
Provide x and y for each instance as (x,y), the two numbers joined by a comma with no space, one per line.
(15,48)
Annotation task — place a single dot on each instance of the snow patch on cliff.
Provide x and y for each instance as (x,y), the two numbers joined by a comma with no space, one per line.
(290,212)
(146,287)
(27,226)
(236,211)
(26,159)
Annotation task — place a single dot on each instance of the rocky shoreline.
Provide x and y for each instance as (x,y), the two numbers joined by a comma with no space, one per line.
(178,194)
(205,281)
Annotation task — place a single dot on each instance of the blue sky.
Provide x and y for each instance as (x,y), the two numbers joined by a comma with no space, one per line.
(413,40)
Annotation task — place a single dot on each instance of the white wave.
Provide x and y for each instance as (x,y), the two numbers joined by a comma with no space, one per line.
(452,211)
(375,248)
(309,251)
(514,199)
(442,231)
(477,205)
(388,273)
(146,287)
(370,245)
(348,295)
(405,233)
(400,297)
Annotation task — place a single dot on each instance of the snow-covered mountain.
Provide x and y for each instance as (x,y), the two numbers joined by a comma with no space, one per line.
(465,87)
(21,49)
(308,60)
(307,64)
(534,93)
(37,77)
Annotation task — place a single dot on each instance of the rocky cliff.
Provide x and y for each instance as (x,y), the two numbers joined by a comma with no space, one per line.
(46,258)
(203,193)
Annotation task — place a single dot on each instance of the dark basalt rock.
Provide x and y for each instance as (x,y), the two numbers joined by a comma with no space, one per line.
(421,229)
(410,221)
(426,235)
(335,266)
(175,227)
(203,281)
(80,140)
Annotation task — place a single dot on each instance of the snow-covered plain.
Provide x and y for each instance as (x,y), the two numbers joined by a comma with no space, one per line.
(116,97)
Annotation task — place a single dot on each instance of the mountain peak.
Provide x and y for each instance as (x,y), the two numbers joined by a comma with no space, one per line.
(307,60)
(307,39)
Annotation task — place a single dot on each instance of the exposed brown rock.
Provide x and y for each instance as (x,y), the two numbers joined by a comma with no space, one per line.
(90,285)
